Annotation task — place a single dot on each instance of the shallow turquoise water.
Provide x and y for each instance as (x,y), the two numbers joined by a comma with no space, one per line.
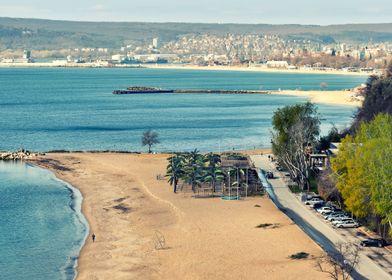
(41,229)
(47,109)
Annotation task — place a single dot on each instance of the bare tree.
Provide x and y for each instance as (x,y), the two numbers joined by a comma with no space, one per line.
(341,264)
(323,86)
(299,138)
(150,138)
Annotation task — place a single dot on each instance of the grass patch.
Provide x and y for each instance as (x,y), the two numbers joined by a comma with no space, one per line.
(299,256)
(298,189)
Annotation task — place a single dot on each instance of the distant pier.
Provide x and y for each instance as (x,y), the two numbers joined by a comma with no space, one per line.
(145,90)
(228,91)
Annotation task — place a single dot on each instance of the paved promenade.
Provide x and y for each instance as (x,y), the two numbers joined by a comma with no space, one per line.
(374,263)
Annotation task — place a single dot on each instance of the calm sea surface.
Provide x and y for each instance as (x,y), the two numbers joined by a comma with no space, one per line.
(50,109)
(47,109)
(42,229)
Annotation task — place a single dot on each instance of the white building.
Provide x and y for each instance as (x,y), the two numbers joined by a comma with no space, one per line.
(277,64)
(155,43)
(118,57)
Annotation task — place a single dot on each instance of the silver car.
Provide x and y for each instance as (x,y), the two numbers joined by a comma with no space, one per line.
(347,224)
(337,217)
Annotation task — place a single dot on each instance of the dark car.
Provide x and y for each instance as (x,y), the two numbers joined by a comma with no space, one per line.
(318,205)
(270,175)
(373,242)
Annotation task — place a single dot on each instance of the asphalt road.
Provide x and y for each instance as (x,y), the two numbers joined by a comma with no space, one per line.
(377,268)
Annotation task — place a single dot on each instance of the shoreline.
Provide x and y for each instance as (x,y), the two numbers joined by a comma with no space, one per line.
(76,198)
(187,67)
(173,220)
(254,69)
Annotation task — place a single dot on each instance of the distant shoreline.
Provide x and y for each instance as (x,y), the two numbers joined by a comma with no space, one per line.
(254,69)
(184,67)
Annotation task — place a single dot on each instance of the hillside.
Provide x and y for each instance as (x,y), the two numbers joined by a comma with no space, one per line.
(54,34)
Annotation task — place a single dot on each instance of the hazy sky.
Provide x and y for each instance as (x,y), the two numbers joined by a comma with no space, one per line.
(220,11)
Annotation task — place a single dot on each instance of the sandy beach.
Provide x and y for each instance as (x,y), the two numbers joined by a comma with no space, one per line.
(185,67)
(254,69)
(126,206)
(338,97)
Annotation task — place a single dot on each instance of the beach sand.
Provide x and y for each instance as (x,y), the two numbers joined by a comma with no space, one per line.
(254,69)
(187,67)
(208,238)
(339,97)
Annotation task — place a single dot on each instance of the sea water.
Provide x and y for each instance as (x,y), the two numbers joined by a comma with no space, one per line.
(41,227)
(45,109)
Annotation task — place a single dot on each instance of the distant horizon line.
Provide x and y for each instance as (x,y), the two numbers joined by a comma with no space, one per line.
(207,23)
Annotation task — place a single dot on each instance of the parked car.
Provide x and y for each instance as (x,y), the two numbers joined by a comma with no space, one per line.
(347,224)
(325,212)
(340,220)
(313,201)
(333,212)
(339,217)
(373,242)
(324,209)
(332,218)
(270,175)
(318,205)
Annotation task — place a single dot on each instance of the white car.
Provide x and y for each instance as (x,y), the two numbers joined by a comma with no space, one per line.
(313,201)
(341,220)
(347,224)
(324,209)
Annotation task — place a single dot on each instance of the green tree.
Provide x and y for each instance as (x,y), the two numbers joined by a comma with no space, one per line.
(150,138)
(175,170)
(364,168)
(295,131)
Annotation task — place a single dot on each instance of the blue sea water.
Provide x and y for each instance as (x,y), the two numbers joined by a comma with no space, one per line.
(56,108)
(42,229)
(47,109)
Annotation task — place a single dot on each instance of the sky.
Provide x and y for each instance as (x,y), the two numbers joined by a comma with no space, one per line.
(320,12)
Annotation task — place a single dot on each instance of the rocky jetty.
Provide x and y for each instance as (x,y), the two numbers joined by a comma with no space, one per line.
(18,155)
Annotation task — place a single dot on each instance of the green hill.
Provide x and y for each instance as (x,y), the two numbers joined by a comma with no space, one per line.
(55,34)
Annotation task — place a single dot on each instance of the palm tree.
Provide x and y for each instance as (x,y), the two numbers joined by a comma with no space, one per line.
(175,170)
(237,177)
(150,138)
(213,171)
(194,169)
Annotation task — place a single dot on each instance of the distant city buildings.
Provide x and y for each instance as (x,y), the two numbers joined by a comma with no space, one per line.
(250,50)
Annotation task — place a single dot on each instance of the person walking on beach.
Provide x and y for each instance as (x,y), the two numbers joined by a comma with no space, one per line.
(93,237)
